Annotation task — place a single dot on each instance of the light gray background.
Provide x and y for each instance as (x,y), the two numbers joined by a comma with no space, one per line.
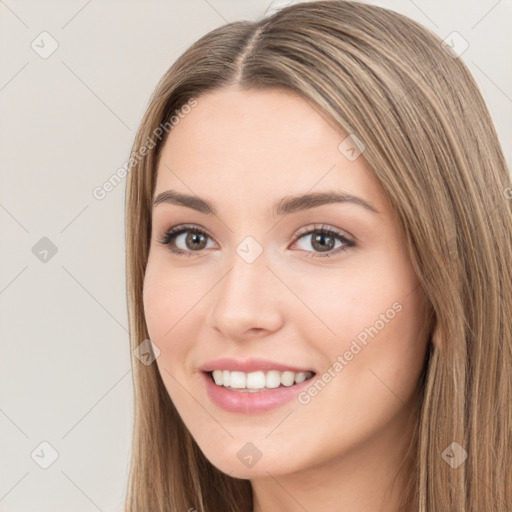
(67,124)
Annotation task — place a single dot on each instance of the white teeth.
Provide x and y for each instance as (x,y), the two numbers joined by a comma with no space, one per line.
(255,381)
(300,377)
(238,380)
(273,379)
(287,378)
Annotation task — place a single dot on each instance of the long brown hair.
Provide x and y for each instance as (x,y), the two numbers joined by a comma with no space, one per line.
(432,145)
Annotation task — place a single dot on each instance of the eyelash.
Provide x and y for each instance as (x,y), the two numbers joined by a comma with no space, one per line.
(172,233)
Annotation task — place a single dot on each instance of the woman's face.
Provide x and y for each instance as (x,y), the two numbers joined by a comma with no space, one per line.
(266,298)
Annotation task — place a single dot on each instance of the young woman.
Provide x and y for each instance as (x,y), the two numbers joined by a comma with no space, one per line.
(319,256)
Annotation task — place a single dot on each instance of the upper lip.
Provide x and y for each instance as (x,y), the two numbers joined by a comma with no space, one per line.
(249,365)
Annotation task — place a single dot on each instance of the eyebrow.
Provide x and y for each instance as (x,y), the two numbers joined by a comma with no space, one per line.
(284,206)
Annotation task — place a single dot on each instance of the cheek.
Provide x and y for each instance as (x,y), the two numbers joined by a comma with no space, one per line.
(156,304)
(368,383)
(346,301)
(383,355)
(374,318)
(172,305)
(163,303)
(166,299)
(169,313)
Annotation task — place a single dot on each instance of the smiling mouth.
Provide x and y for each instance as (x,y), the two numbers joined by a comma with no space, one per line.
(257,381)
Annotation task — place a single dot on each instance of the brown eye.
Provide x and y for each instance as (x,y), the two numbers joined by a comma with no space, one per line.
(184,239)
(195,241)
(324,240)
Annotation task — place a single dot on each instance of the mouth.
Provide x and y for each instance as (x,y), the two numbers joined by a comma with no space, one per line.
(258,381)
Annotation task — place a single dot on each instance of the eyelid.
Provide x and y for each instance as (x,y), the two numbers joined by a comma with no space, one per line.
(179,229)
(323,227)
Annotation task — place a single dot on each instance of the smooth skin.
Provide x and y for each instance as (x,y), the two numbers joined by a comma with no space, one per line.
(243,151)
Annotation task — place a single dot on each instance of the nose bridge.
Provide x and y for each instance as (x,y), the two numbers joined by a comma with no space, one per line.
(245,298)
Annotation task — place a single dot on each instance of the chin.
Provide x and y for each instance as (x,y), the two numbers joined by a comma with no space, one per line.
(260,469)
(248,460)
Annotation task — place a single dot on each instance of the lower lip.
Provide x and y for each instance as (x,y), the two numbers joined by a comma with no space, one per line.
(252,402)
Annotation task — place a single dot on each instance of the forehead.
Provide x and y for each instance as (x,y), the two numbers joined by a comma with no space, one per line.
(268,143)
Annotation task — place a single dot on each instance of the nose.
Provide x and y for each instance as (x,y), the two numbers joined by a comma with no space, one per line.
(246,303)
